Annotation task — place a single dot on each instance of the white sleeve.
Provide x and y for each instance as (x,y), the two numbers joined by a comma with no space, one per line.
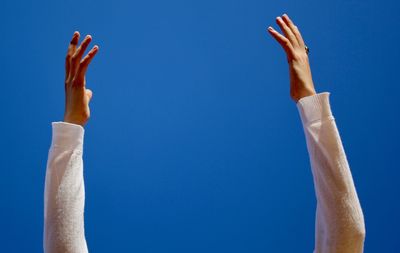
(64,196)
(339,220)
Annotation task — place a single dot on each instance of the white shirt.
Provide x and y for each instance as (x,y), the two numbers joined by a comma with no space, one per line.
(339,219)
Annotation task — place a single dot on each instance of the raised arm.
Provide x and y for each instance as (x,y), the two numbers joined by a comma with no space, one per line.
(64,185)
(339,219)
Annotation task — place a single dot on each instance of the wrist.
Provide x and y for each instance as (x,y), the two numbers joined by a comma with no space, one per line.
(75,120)
(297,95)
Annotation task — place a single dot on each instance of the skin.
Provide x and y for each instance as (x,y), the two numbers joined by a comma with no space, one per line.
(301,83)
(77,96)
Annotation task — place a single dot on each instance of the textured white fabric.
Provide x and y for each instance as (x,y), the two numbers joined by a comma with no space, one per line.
(64,198)
(339,220)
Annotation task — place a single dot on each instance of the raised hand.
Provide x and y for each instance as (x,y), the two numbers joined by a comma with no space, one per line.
(77,97)
(301,83)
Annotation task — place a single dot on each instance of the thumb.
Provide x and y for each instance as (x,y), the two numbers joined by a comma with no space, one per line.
(89,94)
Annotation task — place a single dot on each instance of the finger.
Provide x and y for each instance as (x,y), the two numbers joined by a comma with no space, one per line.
(76,58)
(282,40)
(70,53)
(85,64)
(294,29)
(286,30)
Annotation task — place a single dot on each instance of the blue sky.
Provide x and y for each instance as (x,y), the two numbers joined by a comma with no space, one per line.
(194,144)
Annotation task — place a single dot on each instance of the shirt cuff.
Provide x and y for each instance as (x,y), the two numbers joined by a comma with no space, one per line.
(67,136)
(315,107)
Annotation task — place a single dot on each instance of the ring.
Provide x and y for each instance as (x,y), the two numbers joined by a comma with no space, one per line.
(307,49)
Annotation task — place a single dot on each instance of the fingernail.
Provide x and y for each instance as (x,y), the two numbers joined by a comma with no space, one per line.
(75,36)
(270,28)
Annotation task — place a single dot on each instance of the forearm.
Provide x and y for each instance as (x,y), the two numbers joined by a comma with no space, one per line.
(64,191)
(339,222)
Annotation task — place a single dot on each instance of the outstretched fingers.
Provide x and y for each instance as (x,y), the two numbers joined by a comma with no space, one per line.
(287,31)
(291,40)
(70,53)
(84,64)
(282,40)
(76,58)
(294,29)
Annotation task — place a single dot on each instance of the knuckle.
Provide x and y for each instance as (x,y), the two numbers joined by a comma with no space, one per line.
(84,61)
(74,82)
(296,57)
(68,81)
(75,56)
(77,82)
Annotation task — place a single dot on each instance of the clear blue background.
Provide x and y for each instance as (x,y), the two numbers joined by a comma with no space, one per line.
(194,144)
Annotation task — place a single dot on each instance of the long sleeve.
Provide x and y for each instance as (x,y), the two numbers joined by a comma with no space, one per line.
(339,219)
(64,196)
